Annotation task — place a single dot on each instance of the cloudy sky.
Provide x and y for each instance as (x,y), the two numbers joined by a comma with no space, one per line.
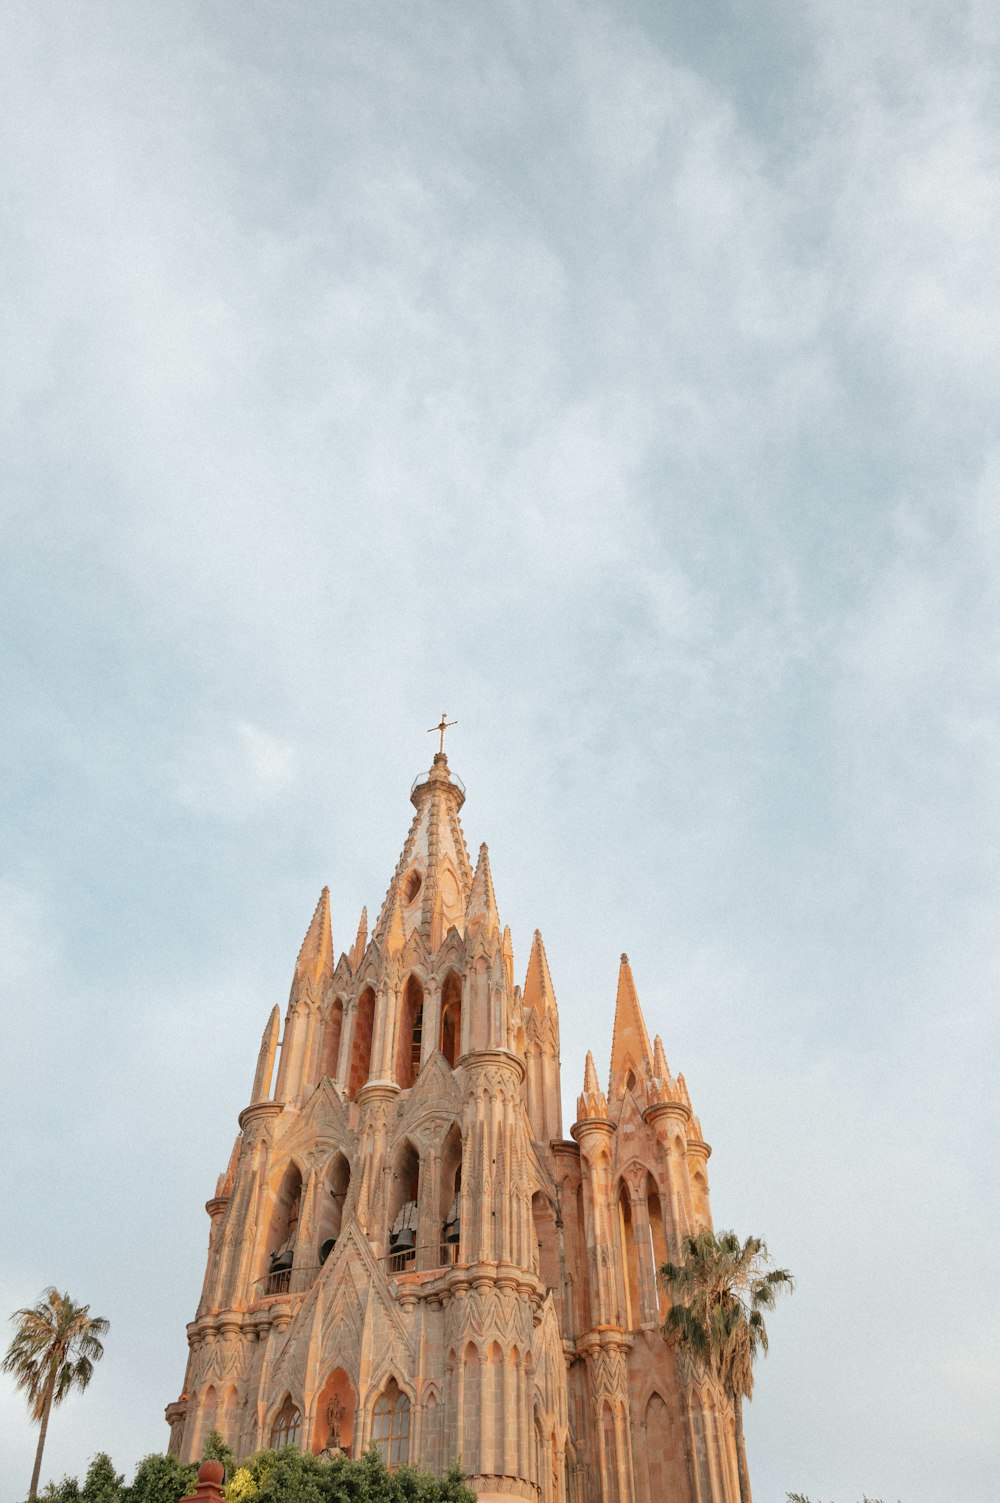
(622,378)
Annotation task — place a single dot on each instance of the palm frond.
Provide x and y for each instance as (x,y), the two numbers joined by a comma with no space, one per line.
(719,1288)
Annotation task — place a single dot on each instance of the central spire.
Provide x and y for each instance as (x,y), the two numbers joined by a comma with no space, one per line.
(431,885)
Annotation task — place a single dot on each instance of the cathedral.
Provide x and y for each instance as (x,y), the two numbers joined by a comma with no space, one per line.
(406,1252)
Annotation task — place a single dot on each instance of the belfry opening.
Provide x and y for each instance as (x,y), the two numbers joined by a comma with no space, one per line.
(408,1251)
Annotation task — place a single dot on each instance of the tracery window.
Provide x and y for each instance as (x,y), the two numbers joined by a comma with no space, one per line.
(391,1425)
(287,1427)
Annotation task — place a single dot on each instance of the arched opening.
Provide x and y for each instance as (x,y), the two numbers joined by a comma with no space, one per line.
(333,1195)
(630,1081)
(431,1445)
(412,886)
(451,1196)
(411,1031)
(283,1234)
(655,1449)
(544,1221)
(226,1423)
(209,1412)
(391,1425)
(287,1427)
(657,1244)
(451,1018)
(699,1191)
(630,1270)
(335,1406)
(404,1200)
(361,1052)
(332,1030)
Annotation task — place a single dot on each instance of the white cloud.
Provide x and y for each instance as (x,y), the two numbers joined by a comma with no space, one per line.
(227,772)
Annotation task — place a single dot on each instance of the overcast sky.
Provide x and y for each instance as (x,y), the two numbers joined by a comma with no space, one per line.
(621,378)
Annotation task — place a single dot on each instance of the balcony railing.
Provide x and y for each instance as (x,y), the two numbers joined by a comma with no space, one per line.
(286,1281)
(424,777)
(292,1281)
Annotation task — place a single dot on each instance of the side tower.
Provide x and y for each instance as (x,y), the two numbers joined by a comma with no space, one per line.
(655,1427)
(405,1251)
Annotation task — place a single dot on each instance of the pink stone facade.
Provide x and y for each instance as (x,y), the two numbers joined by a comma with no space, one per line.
(406,1251)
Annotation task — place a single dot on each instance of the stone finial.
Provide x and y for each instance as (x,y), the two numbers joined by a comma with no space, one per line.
(211,1475)
(481,911)
(361,941)
(539,993)
(630,1046)
(266,1057)
(226,1180)
(315,959)
(592,1103)
(508,957)
(660,1086)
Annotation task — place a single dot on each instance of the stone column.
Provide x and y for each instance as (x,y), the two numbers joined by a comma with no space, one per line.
(432,1020)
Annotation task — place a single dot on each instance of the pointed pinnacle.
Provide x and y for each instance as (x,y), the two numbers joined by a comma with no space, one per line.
(482,905)
(361,942)
(315,957)
(660,1067)
(592,1102)
(393,928)
(630,1038)
(539,992)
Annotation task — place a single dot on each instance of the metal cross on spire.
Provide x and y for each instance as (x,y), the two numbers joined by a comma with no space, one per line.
(442,727)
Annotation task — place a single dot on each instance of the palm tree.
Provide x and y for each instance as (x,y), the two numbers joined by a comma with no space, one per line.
(54,1349)
(720,1289)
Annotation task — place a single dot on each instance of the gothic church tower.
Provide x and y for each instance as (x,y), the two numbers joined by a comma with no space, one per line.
(405,1251)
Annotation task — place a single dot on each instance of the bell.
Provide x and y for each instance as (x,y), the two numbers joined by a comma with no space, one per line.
(282,1260)
(453,1230)
(326,1249)
(404,1240)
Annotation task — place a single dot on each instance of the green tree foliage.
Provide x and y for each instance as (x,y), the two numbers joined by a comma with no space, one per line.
(54,1348)
(289,1476)
(161,1479)
(66,1491)
(801,1498)
(269,1476)
(215,1449)
(720,1290)
(102,1483)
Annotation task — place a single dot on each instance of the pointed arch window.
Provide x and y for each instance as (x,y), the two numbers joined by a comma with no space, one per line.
(287,1427)
(332,1030)
(391,1425)
(451,1019)
(411,1029)
(364,1024)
